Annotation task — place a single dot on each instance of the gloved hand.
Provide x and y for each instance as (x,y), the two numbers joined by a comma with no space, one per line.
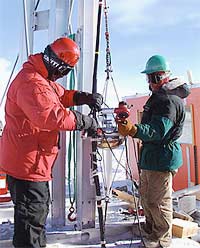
(126,128)
(84,122)
(92,100)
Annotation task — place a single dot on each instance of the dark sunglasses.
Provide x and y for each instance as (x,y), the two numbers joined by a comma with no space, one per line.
(154,78)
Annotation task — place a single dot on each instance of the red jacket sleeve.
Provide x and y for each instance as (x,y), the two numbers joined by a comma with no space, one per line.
(66,96)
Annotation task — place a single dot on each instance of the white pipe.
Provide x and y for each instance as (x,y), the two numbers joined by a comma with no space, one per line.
(26,28)
(190,77)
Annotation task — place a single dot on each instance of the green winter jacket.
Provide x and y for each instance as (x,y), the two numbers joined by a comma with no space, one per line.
(161,126)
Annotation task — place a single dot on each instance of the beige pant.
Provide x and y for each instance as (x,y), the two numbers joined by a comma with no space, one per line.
(156,192)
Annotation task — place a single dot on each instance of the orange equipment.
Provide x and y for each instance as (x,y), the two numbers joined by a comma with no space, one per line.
(3,188)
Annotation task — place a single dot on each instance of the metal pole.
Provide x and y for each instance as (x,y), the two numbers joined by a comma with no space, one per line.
(94,143)
(26,28)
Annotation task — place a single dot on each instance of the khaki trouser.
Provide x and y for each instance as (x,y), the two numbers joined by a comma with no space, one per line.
(156,198)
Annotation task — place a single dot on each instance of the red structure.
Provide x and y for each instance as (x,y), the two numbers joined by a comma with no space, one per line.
(189,174)
(4,188)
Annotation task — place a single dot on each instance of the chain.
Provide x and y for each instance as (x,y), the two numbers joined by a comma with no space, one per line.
(107,36)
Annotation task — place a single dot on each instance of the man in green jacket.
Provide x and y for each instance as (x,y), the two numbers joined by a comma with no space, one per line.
(161,154)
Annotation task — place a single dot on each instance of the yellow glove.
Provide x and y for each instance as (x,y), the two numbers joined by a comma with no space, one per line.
(127,128)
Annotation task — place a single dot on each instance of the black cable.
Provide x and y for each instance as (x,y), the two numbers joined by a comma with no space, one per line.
(36,6)
(94,86)
(94,143)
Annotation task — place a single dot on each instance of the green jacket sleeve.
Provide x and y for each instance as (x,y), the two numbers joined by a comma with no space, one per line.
(155,130)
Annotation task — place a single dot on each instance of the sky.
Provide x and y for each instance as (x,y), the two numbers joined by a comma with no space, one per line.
(138,29)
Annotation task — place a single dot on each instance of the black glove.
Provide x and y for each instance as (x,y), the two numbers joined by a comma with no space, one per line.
(84,122)
(92,100)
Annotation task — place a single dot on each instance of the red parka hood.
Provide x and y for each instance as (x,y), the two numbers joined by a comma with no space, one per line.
(38,65)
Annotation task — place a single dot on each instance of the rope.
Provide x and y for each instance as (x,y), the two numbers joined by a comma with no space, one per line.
(72,152)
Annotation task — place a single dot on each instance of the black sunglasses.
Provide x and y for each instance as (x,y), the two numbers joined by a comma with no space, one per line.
(154,78)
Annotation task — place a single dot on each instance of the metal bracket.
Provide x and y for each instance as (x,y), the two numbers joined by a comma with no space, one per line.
(40,20)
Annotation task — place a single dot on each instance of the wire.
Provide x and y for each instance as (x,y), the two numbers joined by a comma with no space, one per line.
(9,80)
(136,203)
(128,171)
(36,6)
(137,214)
(108,69)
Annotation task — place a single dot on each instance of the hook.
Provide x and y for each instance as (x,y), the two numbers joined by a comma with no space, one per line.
(71,216)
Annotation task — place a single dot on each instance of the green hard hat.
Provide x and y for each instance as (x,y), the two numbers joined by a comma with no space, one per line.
(156,63)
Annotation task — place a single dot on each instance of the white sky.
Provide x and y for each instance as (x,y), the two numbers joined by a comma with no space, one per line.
(138,30)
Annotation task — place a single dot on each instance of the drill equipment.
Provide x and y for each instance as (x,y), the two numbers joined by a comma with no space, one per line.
(122,112)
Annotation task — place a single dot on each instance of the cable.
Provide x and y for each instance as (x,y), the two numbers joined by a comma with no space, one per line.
(135,202)
(94,143)
(9,80)
(108,69)
(130,175)
(137,214)
(36,6)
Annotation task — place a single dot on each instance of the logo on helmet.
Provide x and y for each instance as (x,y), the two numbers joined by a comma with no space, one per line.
(51,61)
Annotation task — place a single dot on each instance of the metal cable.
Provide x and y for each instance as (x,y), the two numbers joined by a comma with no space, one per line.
(9,80)
(108,69)
(134,183)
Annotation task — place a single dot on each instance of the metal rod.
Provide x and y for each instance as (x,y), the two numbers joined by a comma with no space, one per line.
(26,28)
(94,143)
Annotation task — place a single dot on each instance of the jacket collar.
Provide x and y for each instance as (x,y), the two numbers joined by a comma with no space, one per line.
(36,62)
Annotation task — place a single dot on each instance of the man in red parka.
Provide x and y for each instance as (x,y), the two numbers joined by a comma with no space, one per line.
(35,112)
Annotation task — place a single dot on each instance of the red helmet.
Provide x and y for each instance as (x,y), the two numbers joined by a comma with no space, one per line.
(66,50)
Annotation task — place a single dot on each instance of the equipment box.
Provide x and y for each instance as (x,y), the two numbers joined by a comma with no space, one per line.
(183,228)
